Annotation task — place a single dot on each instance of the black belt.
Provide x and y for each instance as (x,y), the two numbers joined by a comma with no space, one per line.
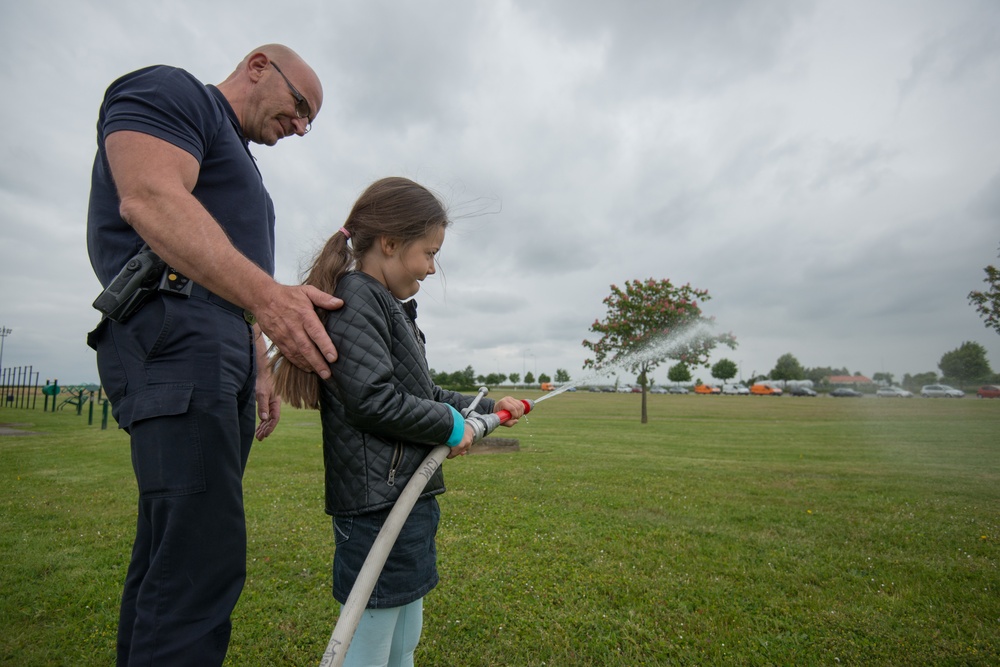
(200,292)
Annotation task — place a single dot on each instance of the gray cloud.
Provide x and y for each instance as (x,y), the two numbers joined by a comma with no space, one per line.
(827,170)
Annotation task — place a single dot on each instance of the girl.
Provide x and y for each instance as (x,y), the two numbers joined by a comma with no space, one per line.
(380,411)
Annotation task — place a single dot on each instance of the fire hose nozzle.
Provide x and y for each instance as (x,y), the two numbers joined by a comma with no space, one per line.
(483,425)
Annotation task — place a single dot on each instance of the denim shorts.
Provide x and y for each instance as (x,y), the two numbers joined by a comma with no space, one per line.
(409,573)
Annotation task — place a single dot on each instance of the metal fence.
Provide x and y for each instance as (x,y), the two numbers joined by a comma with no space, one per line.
(19,387)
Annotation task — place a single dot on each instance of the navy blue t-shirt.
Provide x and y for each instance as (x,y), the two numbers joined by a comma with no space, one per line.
(170,104)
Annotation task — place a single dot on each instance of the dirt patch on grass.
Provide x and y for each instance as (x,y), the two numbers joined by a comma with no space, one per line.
(495,446)
(11,429)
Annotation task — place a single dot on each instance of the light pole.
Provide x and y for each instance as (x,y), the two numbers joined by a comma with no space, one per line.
(4,332)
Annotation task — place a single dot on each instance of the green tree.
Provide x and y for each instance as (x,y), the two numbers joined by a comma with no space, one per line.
(542,378)
(515,378)
(966,364)
(679,373)
(648,322)
(988,303)
(788,368)
(529,378)
(561,375)
(724,369)
(820,374)
(466,379)
(459,380)
(885,378)
(915,382)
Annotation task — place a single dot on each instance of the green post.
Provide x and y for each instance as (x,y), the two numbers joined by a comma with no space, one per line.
(104,419)
(53,391)
(90,417)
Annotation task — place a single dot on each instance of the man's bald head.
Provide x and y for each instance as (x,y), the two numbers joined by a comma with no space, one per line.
(263,92)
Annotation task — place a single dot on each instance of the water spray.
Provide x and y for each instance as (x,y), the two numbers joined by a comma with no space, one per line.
(350,613)
(656,348)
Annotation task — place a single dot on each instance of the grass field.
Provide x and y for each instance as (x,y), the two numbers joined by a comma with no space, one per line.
(727,530)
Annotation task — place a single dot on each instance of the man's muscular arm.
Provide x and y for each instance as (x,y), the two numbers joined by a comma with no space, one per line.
(154,180)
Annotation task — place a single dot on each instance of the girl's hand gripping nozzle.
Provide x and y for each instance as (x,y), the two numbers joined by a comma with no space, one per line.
(483,425)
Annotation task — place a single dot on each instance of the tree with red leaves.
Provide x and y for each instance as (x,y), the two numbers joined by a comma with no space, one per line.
(650,321)
(988,303)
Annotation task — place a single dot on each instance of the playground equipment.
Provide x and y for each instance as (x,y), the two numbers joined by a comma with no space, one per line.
(19,389)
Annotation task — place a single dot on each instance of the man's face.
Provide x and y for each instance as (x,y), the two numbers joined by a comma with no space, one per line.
(286,100)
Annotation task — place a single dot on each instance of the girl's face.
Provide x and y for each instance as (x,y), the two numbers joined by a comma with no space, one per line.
(406,266)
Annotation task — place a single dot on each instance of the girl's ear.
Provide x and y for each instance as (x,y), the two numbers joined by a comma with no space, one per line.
(388,245)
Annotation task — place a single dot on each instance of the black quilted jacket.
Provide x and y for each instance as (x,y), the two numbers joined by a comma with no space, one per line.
(381,412)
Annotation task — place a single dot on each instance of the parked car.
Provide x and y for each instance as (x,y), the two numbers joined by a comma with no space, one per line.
(765,390)
(735,389)
(845,392)
(677,390)
(706,389)
(893,392)
(801,391)
(988,391)
(940,391)
(657,390)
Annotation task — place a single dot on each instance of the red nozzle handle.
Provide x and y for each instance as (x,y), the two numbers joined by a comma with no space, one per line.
(504,415)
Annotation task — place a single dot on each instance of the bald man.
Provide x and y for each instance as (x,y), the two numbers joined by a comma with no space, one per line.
(184,372)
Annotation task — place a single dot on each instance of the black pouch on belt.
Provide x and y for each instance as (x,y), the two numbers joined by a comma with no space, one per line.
(132,287)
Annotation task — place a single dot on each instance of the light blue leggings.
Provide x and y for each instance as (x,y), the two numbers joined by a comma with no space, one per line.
(386,637)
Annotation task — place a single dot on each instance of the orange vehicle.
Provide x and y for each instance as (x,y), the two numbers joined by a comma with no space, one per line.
(765,390)
(706,389)
(548,386)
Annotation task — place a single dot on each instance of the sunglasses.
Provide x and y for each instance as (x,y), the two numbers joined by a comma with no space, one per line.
(302,109)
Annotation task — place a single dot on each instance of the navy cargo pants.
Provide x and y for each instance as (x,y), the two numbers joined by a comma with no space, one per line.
(180,376)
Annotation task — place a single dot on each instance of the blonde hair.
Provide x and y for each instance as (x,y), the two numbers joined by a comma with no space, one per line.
(394,208)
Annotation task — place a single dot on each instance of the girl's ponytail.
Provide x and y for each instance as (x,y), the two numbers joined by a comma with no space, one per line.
(297,387)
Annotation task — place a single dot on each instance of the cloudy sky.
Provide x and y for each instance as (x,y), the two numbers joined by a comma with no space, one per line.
(829,171)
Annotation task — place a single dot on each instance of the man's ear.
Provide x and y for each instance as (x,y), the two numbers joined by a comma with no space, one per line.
(256,65)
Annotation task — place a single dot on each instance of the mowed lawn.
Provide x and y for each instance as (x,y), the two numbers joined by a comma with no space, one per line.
(735,530)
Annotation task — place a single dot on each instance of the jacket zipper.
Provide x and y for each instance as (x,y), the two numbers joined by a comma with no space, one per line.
(397,457)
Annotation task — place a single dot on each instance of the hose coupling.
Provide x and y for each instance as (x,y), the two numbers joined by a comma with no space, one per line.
(482,425)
